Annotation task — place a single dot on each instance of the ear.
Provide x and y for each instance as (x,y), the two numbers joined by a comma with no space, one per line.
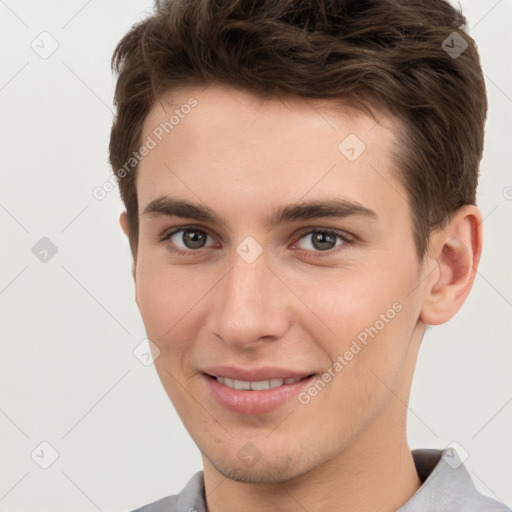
(125,226)
(455,250)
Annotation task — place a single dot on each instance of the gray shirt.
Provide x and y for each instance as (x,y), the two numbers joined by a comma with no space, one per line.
(446,487)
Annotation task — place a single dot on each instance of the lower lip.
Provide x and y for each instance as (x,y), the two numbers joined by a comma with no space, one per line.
(254,402)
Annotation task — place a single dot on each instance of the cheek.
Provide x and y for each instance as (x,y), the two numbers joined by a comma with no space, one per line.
(156,300)
(347,302)
(165,296)
(366,318)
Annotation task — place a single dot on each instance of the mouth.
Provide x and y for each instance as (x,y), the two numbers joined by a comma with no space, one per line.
(260,385)
(259,395)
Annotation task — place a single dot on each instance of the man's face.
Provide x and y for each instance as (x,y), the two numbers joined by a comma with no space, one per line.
(265,289)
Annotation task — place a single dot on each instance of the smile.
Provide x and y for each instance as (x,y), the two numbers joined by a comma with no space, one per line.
(257,385)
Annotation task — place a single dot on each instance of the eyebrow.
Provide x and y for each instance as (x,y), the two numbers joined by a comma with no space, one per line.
(307,210)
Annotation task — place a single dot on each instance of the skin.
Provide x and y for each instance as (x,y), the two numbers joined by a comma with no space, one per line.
(245,157)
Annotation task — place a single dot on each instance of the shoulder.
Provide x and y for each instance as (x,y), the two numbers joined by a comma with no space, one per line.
(191,498)
(167,504)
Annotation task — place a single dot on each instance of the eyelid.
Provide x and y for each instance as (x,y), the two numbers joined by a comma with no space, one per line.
(172,231)
(333,231)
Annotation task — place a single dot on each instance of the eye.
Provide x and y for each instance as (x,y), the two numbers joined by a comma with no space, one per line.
(321,240)
(186,240)
(190,240)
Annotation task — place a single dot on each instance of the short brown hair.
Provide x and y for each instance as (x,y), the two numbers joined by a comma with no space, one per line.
(403,56)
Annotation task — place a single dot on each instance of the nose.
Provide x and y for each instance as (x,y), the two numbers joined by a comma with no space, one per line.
(250,305)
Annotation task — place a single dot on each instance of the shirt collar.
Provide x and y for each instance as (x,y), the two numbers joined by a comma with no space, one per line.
(446,485)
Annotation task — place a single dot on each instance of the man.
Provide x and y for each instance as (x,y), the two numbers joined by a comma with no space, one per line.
(299,181)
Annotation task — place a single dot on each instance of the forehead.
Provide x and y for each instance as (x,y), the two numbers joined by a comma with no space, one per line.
(220,111)
(216,141)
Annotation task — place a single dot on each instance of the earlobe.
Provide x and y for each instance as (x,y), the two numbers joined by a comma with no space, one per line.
(455,250)
(123,220)
(125,226)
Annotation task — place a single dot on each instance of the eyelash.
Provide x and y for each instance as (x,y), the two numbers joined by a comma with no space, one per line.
(315,254)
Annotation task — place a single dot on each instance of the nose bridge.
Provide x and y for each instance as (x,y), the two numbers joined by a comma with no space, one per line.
(246,306)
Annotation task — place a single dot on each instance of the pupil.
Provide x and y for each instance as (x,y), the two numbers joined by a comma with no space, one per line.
(194,239)
(323,241)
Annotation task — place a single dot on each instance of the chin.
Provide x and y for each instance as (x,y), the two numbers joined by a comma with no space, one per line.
(264,471)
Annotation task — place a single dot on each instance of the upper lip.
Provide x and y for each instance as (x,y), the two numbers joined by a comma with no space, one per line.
(254,374)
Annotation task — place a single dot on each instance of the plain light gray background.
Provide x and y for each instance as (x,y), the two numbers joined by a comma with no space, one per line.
(69,325)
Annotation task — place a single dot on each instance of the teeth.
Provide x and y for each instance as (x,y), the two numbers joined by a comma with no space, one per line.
(241,384)
(255,386)
(261,384)
(275,383)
